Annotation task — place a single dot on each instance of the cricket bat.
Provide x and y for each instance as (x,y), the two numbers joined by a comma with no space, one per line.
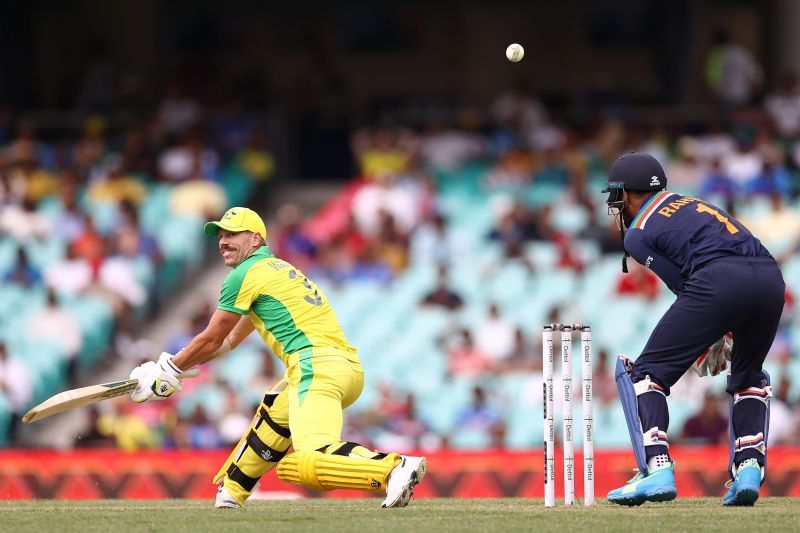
(64,401)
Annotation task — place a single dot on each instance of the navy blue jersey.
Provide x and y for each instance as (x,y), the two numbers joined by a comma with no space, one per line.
(675,235)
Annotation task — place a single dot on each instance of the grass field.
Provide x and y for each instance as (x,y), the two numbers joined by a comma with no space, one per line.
(173,516)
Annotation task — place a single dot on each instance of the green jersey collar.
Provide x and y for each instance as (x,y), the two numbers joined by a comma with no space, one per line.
(261,253)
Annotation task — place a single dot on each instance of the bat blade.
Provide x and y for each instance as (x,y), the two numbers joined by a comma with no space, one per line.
(71,399)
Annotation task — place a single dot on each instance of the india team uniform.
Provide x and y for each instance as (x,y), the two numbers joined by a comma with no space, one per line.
(323,377)
(725,281)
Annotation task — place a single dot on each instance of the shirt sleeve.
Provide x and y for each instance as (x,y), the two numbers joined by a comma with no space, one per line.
(637,246)
(229,297)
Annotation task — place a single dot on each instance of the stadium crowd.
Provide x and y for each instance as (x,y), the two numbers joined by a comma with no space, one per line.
(78,220)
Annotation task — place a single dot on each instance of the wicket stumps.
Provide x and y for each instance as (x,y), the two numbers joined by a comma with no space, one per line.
(567,422)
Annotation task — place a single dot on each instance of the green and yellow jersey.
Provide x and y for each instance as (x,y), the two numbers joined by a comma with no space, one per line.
(288,310)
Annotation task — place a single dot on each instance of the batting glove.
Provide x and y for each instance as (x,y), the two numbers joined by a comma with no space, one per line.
(157,380)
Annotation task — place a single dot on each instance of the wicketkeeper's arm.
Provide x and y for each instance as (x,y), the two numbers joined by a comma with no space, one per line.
(206,344)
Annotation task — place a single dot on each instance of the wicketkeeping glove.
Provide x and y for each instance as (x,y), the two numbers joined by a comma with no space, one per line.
(157,380)
(715,359)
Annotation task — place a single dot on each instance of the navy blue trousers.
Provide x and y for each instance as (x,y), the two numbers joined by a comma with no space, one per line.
(738,294)
(744,295)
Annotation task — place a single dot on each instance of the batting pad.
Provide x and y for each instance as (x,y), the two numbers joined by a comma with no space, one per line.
(263,445)
(328,471)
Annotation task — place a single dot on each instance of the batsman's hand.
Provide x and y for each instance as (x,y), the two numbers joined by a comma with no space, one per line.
(157,380)
(715,359)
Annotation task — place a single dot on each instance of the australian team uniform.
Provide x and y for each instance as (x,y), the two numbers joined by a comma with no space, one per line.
(725,281)
(323,376)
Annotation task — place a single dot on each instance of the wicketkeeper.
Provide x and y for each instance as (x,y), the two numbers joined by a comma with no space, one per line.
(730,296)
(323,377)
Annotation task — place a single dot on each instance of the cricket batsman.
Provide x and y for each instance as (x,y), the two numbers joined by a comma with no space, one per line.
(323,377)
(730,296)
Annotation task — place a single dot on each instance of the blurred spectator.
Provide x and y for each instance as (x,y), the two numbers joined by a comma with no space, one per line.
(197,323)
(123,423)
(448,149)
(117,186)
(523,356)
(782,418)
(22,272)
(118,276)
(404,425)
(70,221)
(744,164)
(438,242)
(517,224)
(373,201)
(233,423)
(494,336)
(685,173)
(380,153)
(189,158)
(92,437)
(69,276)
(22,223)
(639,281)
(198,198)
(773,179)
(89,245)
(604,386)
(552,168)
(512,171)
(255,159)
(480,418)
(783,106)
(132,239)
(731,71)
(443,295)
(391,244)
(234,126)
(55,324)
(716,182)
(291,242)
(16,385)
(178,112)
(201,432)
(351,240)
(779,225)
(372,267)
(465,359)
(708,426)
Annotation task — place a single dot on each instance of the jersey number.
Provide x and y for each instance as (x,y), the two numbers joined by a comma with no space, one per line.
(702,208)
(312,298)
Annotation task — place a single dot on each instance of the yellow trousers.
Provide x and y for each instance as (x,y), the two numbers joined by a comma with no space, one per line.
(308,414)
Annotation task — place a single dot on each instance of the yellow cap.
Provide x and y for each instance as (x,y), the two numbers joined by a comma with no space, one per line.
(237,219)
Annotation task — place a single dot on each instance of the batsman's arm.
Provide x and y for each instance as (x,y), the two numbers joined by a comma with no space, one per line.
(205,345)
(244,328)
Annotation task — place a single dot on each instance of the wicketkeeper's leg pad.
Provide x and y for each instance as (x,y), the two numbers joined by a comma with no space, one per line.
(341,465)
(264,444)
(630,394)
(749,424)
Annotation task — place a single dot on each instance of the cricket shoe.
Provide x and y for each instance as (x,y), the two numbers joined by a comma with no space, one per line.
(225,500)
(402,480)
(657,486)
(744,488)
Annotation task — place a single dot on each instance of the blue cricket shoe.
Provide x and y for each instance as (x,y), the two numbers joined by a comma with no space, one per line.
(745,488)
(657,486)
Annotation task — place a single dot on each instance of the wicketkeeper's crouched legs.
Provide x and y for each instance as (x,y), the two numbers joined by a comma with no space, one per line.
(264,444)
